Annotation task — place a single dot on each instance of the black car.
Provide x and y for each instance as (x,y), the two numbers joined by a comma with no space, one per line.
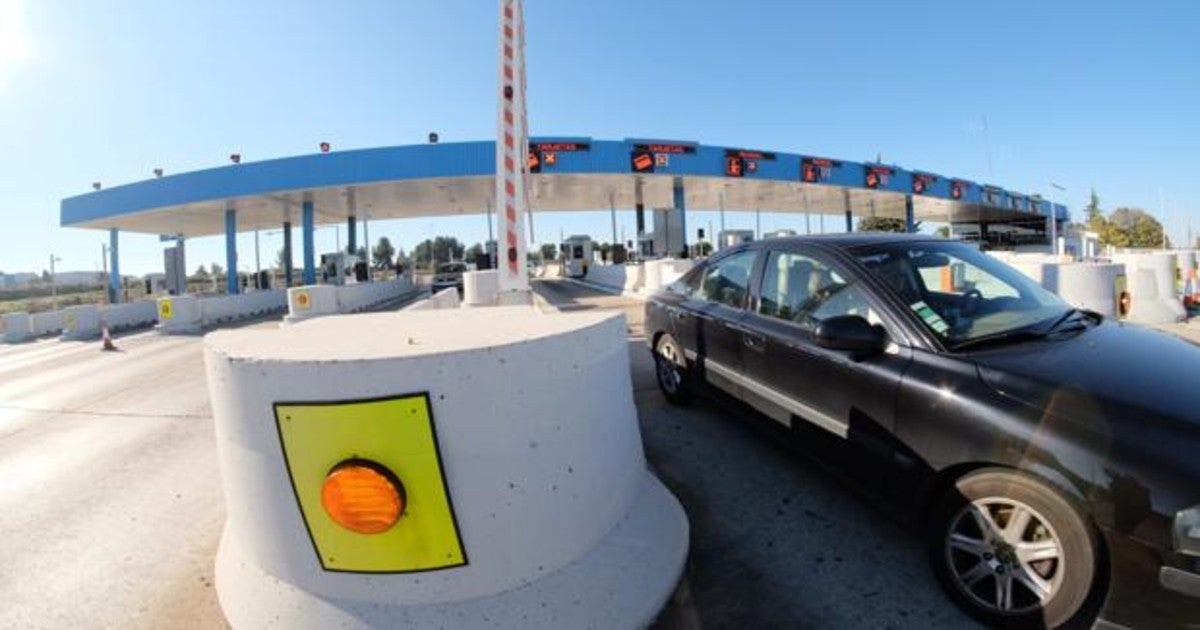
(1052,454)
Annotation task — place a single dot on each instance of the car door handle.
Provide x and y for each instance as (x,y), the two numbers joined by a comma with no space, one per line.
(754,341)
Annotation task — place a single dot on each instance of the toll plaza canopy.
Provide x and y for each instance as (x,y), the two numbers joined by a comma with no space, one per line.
(450,179)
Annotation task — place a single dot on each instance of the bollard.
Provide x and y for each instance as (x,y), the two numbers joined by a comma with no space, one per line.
(501,451)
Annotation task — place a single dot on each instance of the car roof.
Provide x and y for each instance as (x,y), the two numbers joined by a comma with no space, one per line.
(854,239)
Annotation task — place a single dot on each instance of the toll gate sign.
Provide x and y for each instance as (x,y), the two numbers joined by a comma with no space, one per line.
(817,170)
(740,162)
(921,183)
(877,176)
(647,156)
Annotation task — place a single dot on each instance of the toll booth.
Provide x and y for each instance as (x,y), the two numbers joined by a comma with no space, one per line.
(645,248)
(175,266)
(576,255)
(337,267)
(733,238)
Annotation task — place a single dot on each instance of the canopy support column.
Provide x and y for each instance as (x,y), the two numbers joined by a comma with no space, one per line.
(681,205)
(232,286)
(114,263)
(849,214)
(351,225)
(910,223)
(306,236)
(287,254)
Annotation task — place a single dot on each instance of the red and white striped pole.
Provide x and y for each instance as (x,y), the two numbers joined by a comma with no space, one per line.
(512,147)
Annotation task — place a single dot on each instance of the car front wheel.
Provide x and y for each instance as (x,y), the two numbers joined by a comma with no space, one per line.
(671,370)
(1011,551)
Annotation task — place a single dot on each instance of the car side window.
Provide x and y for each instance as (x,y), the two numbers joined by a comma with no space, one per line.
(803,290)
(727,280)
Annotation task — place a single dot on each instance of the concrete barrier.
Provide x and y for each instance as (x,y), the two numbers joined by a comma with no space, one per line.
(232,308)
(611,276)
(47,323)
(481,288)
(527,500)
(179,314)
(130,316)
(635,278)
(446,298)
(1151,285)
(660,273)
(81,322)
(17,327)
(319,300)
(1093,286)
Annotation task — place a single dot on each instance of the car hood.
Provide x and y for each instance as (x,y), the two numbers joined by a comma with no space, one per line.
(1121,372)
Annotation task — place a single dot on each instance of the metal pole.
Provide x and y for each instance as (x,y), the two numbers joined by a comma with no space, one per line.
(257,264)
(612,212)
(1053,219)
(53,283)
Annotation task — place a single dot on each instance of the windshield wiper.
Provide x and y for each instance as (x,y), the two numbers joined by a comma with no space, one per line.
(1008,336)
(1070,314)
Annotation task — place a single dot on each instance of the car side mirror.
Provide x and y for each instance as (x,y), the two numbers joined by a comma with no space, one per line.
(851,333)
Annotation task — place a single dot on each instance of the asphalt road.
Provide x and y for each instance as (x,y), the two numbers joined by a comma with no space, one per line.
(777,541)
(111,501)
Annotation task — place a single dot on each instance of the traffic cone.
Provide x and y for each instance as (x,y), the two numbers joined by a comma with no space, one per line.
(107,339)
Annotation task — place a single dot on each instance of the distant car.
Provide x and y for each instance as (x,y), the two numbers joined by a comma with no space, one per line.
(1051,455)
(449,275)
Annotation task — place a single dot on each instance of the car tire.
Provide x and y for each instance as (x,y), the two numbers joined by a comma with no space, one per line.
(1035,564)
(671,372)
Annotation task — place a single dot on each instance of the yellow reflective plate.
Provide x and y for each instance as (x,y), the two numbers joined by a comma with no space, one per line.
(164,308)
(397,433)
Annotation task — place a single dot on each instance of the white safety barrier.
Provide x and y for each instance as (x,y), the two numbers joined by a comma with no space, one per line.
(1093,286)
(1185,268)
(16,327)
(481,288)
(120,317)
(1151,285)
(446,298)
(526,497)
(81,322)
(318,300)
(660,273)
(635,278)
(47,323)
(183,314)
(611,276)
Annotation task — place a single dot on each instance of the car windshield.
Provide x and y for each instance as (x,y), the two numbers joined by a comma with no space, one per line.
(959,293)
(451,268)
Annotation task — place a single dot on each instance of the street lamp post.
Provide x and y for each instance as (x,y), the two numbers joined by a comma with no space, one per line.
(1053,218)
(54,281)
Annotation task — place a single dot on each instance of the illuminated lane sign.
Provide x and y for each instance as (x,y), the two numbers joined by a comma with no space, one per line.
(957,187)
(817,170)
(739,162)
(543,154)
(922,182)
(561,147)
(642,161)
(735,166)
(878,176)
(663,147)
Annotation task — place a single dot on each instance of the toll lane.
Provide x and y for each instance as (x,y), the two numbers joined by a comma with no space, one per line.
(108,485)
(777,541)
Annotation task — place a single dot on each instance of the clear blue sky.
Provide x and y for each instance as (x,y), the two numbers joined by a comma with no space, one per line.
(1084,93)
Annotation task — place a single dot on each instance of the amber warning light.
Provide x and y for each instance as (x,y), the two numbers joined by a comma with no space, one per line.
(363,497)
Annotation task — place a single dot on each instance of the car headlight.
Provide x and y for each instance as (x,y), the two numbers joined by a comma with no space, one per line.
(1186,533)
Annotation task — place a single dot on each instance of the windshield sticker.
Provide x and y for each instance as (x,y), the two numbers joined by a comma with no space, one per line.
(930,317)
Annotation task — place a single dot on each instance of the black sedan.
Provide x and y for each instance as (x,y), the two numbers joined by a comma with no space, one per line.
(1051,455)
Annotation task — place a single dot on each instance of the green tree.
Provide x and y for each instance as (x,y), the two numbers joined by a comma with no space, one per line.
(217,270)
(1132,227)
(882,224)
(549,251)
(944,232)
(281,260)
(1093,216)
(473,252)
(201,272)
(383,253)
(443,249)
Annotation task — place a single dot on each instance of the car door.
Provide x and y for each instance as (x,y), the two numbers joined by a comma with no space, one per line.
(790,377)
(716,310)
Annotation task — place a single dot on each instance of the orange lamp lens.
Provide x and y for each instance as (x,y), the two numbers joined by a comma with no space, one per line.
(363,497)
